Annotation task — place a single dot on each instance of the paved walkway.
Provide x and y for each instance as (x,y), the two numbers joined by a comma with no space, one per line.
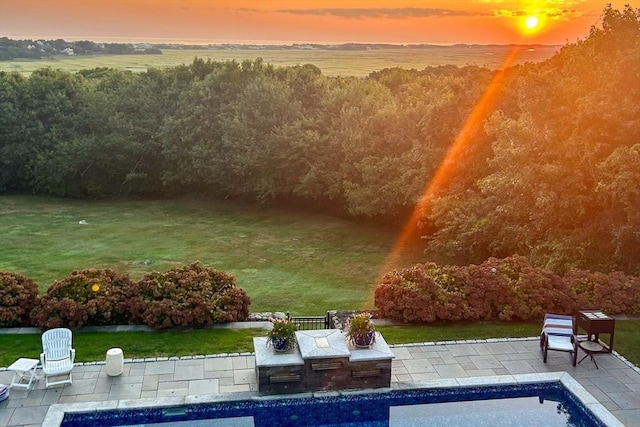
(616,384)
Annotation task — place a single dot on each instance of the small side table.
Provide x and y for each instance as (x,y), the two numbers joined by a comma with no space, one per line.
(115,362)
(23,369)
(591,348)
(594,323)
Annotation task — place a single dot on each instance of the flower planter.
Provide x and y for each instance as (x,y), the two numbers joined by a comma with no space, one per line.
(360,330)
(363,340)
(283,335)
(282,344)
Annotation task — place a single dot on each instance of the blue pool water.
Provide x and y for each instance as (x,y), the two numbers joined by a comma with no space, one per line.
(542,404)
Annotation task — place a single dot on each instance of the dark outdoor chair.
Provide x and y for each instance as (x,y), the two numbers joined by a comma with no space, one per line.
(557,334)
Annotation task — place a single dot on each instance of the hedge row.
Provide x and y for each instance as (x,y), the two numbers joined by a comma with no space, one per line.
(192,295)
(500,289)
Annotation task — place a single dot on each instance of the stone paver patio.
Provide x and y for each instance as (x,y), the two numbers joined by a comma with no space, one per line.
(616,385)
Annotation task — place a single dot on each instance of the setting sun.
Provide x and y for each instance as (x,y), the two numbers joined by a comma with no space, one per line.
(531,22)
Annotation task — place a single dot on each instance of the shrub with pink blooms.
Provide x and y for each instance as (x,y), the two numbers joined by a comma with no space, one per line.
(18,295)
(192,295)
(88,297)
(500,289)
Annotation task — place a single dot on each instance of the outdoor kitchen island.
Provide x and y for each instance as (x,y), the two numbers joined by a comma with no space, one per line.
(323,360)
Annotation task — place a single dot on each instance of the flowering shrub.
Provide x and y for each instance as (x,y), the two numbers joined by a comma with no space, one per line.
(487,293)
(613,293)
(191,295)
(83,298)
(500,289)
(530,291)
(18,295)
(423,293)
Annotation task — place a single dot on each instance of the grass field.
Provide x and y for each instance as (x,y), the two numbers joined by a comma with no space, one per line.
(303,263)
(91,346)
(331,62)
(297,262)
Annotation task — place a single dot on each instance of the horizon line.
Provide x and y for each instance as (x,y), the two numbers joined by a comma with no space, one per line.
(208,42)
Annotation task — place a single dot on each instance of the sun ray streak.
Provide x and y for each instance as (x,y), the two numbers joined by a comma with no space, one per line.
(483,108)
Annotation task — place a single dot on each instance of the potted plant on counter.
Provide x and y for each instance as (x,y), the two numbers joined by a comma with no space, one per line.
(283,335)
(361,330)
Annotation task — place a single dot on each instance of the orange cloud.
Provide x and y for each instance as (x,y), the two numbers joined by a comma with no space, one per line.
(391,13)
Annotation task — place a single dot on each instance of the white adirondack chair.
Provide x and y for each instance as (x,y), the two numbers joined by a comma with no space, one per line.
(57,356)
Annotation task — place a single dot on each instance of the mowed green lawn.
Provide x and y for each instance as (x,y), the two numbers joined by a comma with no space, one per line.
(332,62)
(298,262)
(303,263)
(91,346)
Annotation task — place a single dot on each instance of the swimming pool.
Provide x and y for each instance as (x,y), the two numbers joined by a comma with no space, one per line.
(548,403)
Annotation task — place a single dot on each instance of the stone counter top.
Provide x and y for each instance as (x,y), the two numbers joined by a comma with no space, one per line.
(322,344)
(378,351)
(268,357)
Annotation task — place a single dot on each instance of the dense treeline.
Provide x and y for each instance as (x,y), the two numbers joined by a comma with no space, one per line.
(552,173)
(559,177)
(36,49)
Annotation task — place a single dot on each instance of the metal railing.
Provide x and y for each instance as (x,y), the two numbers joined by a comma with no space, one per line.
(308,323)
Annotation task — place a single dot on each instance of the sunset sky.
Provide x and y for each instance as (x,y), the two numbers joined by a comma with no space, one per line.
(302,21)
